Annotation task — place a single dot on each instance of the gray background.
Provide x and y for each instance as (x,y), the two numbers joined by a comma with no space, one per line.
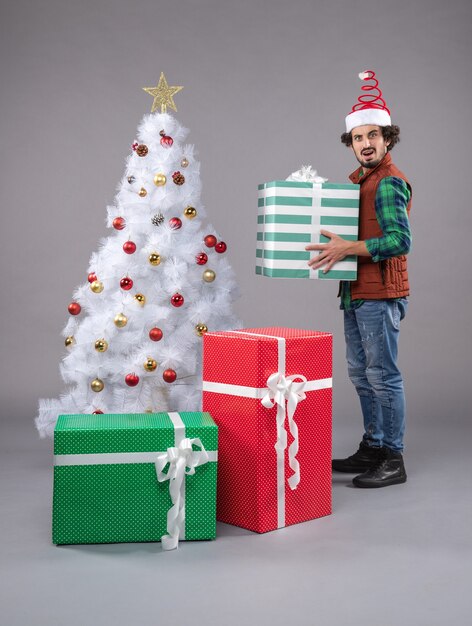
(267,86)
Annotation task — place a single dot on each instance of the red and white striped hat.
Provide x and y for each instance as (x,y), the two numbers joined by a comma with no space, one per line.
(370,107)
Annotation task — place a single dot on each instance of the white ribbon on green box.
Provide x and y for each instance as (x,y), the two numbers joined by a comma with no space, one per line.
(182,460)
(285,393)
(290,216)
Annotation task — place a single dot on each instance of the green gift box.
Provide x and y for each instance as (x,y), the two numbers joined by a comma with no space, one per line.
(290,216)
(136,477)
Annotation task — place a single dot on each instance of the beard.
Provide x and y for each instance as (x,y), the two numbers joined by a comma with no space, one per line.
(371,163)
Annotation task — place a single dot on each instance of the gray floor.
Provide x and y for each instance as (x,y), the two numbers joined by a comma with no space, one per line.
(393,556)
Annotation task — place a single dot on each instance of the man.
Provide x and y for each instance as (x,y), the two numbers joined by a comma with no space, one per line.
(376,302)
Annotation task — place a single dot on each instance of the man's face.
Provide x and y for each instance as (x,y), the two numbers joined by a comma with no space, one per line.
(369,145)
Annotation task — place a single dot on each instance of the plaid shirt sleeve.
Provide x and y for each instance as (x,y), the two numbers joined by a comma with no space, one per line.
(391,201)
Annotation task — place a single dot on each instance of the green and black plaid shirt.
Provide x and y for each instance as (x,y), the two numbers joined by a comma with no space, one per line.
(391,200)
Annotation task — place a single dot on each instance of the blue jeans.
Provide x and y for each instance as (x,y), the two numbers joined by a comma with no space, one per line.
(371,332)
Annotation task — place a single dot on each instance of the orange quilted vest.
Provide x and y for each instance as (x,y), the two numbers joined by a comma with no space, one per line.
(387,278)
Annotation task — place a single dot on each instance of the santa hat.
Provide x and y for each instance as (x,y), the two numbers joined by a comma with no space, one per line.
(370,108)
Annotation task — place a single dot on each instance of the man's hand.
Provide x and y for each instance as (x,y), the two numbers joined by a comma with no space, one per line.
(330,253)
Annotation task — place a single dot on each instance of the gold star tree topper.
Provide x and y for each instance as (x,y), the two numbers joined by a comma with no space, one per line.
(163,95)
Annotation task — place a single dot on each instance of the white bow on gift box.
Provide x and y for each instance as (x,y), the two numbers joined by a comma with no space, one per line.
(181,460)
(306,174)
(282,390)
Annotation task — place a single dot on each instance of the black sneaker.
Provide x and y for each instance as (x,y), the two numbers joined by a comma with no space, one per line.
(360,461)
(389,470)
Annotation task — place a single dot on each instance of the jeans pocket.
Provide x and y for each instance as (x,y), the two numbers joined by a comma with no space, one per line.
(397,315)
(403,306)
(370,318)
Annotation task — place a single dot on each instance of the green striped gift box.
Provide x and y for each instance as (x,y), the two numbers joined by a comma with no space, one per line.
(290,216)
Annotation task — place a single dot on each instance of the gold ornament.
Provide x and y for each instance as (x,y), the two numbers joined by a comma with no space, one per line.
(163,95)
(140,299)
(101,345)
(97,385)
(209,276)
(201,329)
(69,342)
(149,410)
(184,162)
(142,192)
(150,365)
(96,286)
(154,258)
(190,212)
(160,179)
(120,320)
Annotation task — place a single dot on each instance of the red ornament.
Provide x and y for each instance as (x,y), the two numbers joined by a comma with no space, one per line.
(166,140)
(177,300)
(221,247)
(210,241)
(97,412)
(126,283)
(129,247)
(131,380)
(169,375)
(119,223)
(74,308)
(135,145)
(175,223)
(92,277)
(201,258)
(155,334)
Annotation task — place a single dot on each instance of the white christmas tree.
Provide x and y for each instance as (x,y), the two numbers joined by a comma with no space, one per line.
(156,285)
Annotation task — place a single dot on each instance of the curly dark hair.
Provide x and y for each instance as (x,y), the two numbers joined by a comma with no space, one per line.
(390,133)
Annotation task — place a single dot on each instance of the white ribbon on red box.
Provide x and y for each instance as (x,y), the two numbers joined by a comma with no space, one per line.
(286,393)
(283,390)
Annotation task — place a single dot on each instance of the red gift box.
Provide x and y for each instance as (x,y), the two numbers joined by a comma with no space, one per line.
(269,390)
